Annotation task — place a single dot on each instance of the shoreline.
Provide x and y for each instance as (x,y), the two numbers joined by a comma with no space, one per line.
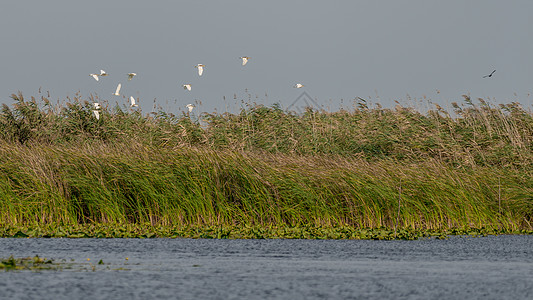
(243,232)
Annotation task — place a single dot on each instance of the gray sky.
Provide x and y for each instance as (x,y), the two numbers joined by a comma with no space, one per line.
(382,50)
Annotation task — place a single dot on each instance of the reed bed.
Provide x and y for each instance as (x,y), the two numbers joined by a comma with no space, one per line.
(397,169)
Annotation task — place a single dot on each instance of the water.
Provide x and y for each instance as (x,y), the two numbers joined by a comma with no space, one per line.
(499,267)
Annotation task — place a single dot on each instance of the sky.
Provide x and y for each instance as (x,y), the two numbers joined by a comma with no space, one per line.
(383,51)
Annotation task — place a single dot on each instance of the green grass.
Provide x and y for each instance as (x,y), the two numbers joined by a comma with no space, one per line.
(368,168)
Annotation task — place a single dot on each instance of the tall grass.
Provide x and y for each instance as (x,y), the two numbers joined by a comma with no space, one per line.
(266,166)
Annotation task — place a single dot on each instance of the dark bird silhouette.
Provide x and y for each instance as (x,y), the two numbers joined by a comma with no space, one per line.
(490,75)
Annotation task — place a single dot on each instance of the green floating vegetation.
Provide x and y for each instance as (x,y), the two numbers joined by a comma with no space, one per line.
(236,232)
(27,263)
(37,264)
(264,173)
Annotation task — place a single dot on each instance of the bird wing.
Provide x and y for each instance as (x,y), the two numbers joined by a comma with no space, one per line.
(95,76)
(118,89)
(103,73)
(200,70)
(132,100)
(244,60)
(96,114)
(490,75)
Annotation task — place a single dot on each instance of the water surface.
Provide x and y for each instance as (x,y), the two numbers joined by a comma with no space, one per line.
(498,267)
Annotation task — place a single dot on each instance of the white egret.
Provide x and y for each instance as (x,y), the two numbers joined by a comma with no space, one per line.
(190,107)
(130,75)
(95,76)
(117,91)
(200,68)
(187,87)
(244,60)
(132,102)
(298,85)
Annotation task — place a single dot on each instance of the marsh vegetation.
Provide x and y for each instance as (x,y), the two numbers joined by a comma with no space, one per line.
(366,168)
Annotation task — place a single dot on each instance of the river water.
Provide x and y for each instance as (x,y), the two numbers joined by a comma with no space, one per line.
(495,267)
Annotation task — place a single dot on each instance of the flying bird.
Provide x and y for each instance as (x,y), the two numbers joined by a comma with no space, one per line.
(130,75)
(95,76)
(244,60)
(132,102)
(95,111)
(298,85)
(490,75)
(190,107)
(200,69)
(117,91)
(187,87)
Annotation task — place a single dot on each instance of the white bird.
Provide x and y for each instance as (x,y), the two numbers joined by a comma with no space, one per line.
(244,60)
(132,102)
(187,87)
(190,107)
(200,69)
(117,91)
(298,85)
(95,76)
(97,105)
(130,75)
(96,114)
